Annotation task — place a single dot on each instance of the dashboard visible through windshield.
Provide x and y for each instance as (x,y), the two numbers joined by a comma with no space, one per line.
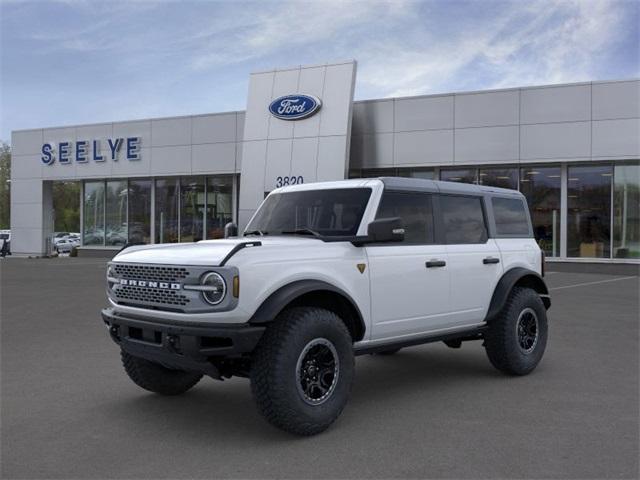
(325,212)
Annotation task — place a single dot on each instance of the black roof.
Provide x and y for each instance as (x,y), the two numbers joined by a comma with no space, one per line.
(424,185)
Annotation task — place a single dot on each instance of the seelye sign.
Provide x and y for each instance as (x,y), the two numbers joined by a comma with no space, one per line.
(84,150)
(294,107)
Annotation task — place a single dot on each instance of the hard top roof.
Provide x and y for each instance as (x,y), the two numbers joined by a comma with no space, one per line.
(421,184)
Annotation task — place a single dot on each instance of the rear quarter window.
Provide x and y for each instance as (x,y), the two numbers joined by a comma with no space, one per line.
(463,219)
(510,216)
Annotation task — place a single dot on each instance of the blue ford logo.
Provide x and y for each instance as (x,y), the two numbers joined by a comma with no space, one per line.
(294,107)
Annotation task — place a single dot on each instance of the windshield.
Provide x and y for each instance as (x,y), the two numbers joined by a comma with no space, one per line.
(330,212)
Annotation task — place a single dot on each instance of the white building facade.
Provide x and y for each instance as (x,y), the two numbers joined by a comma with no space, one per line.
(573,150)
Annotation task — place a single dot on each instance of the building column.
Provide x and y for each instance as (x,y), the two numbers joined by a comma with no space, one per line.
(31,216)
(563,209)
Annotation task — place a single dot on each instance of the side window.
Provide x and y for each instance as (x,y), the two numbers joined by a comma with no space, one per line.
(463,219)
(415,211)
(510,216)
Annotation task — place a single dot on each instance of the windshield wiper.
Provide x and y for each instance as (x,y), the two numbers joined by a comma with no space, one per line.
(255,232)
(302,231)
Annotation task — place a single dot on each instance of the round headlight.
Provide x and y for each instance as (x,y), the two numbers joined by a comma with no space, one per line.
(215,288)
(110,275)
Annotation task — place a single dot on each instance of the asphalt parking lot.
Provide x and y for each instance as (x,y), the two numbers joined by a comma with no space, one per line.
(69,411)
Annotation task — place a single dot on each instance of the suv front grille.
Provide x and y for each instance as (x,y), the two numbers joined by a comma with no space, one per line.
(152,273)
(158,296)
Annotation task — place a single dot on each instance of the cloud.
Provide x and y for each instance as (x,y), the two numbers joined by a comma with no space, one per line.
(536,43)
(146,58)
(285,26)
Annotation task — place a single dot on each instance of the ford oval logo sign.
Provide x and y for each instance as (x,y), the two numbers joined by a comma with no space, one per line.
(295,107)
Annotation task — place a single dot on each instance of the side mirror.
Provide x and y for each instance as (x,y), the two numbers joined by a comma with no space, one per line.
(230,230)
(383,230)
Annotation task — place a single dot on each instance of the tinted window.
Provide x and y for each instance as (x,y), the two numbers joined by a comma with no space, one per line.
(463,219)
(415,211)
(510,216)
(330,212)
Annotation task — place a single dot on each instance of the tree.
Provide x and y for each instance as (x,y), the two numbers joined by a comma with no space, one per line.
(66,203)
(5,185)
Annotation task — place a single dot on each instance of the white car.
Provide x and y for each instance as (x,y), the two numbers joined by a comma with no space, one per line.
(325,272)
(65,245)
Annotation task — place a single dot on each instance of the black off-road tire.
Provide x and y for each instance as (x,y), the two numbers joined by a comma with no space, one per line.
(505,348)
(156,378)
(276,380)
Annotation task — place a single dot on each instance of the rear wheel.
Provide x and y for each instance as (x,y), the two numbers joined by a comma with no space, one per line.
(517,337)
(156,378)
(302,370)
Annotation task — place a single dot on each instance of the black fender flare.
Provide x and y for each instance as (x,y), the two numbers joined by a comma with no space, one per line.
(509,279)
(278,300)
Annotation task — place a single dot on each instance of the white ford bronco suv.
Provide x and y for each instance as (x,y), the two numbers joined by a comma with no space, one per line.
(325,272)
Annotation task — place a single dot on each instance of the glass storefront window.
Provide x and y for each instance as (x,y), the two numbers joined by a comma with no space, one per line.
(139,211)
(93,221)
(116,212)
(426,173)
(626,211)
(541,187)
(499,177)
(191,209)
(589,211)
(463,175)
(219,205)
(378,172)
(167,204)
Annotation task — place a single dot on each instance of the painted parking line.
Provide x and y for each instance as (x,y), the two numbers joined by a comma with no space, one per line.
(593,283)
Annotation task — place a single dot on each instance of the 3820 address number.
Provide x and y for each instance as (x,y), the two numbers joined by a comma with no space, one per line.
(293,180)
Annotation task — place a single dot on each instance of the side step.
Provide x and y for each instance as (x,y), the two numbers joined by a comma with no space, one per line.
(475,333)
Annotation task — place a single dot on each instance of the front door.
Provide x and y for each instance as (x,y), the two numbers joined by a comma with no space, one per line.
(409,280)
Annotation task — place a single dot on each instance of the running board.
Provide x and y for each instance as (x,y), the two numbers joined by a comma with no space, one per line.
(475,333)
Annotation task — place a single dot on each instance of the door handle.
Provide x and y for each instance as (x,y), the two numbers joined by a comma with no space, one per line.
(490,260)
(435,263)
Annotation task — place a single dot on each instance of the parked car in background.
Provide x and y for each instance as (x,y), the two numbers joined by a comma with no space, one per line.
(58,236)
(65,245)
(5,241)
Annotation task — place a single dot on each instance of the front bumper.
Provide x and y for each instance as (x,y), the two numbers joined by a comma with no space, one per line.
(183,346)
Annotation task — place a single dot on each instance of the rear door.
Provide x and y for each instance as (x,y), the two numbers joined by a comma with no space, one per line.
(474,258)
(409,280)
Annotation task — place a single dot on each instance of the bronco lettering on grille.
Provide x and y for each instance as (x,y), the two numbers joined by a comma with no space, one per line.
(150,284)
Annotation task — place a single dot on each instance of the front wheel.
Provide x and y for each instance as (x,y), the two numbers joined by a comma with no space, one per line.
(517,337)
(302,370)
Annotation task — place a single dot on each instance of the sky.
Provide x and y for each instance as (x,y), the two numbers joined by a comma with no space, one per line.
(81,61)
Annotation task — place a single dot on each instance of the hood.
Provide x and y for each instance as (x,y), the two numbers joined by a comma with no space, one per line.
(206,252)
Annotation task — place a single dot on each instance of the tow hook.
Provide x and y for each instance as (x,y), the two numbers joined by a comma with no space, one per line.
(114,331)
(173,343)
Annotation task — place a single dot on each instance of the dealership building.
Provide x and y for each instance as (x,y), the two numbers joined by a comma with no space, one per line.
(573,150)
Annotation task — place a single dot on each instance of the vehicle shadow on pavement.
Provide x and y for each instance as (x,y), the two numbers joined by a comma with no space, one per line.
(226,409)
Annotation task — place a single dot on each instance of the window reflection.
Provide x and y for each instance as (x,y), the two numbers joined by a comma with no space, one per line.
(626,211)
(116,212)
(191,209)
(425,173)
(463,175)
(139,211)
(499,177)
(167,201)
(93,222)
(589,211)
(219,205)
(541,187)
